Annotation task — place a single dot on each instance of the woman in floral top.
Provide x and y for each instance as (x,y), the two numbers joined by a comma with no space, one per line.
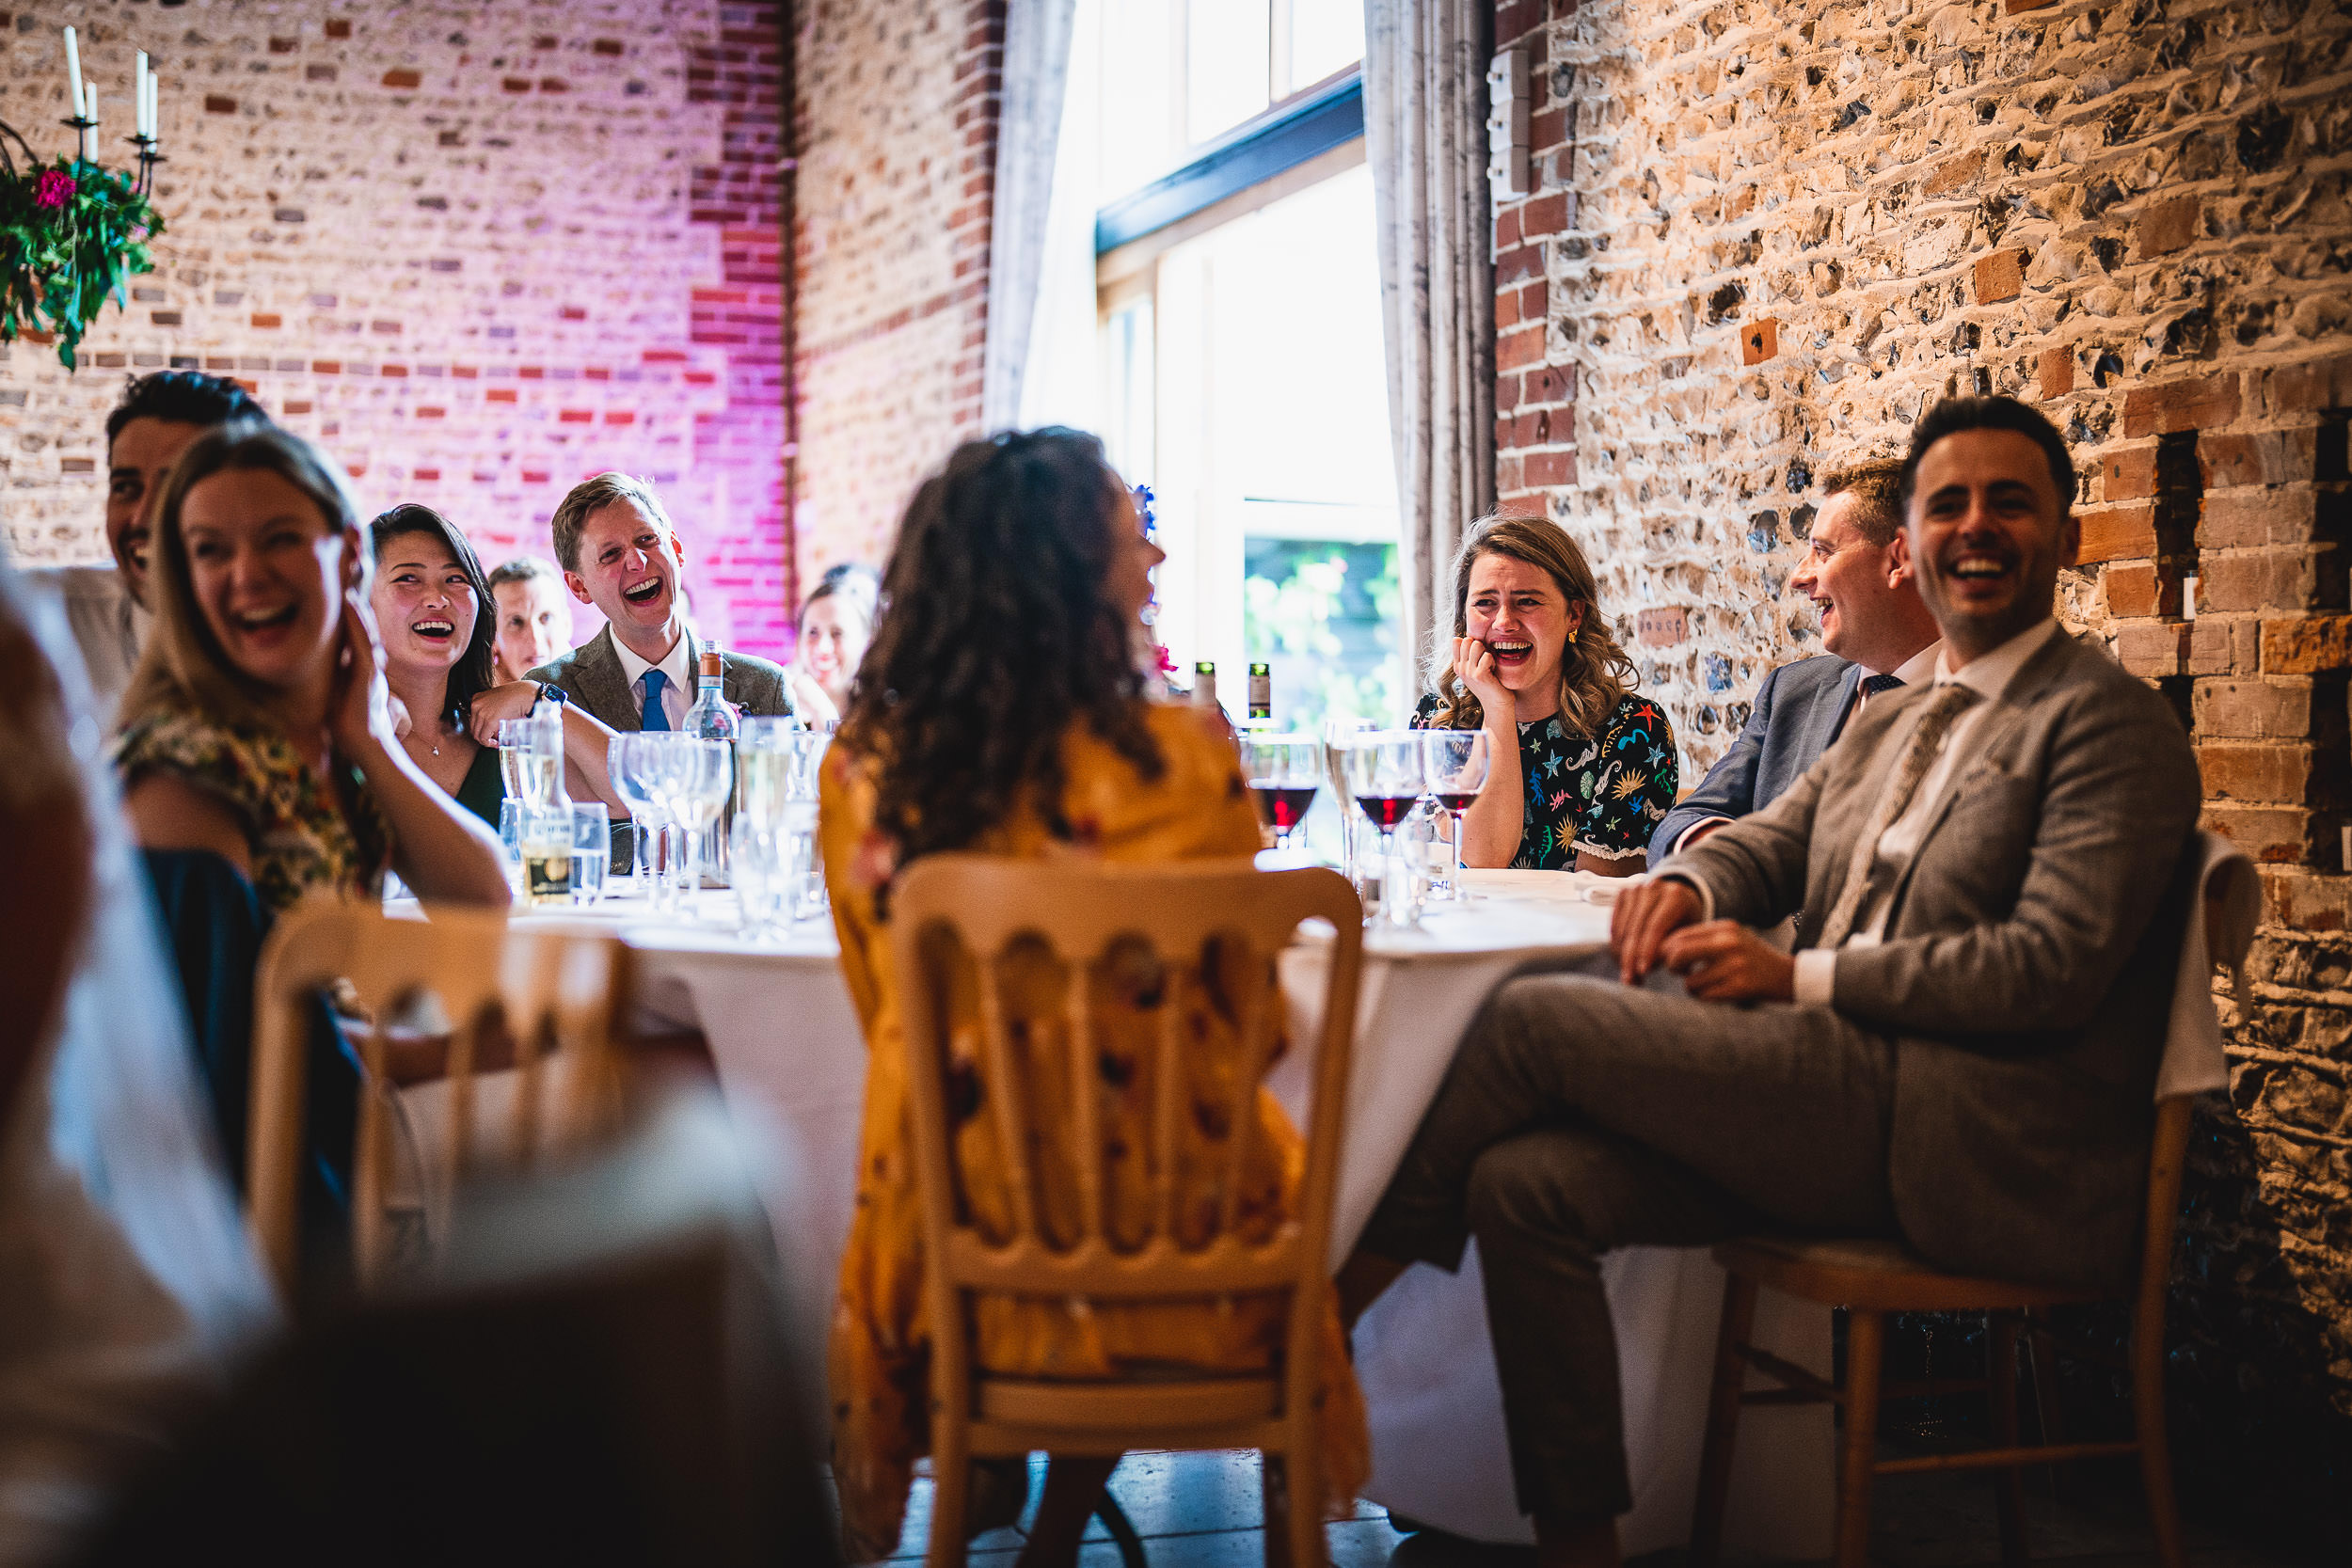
(1583,766)
(258,726)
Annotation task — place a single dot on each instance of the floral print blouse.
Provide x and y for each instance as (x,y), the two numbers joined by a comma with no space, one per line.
(1603,797)
(304,834)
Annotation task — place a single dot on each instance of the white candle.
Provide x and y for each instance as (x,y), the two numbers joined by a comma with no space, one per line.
(139,110)
(73,72)
(156,108)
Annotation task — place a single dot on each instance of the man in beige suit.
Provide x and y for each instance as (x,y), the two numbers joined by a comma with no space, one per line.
(1988,876)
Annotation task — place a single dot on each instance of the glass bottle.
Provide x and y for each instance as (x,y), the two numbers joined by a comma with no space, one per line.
(713,718)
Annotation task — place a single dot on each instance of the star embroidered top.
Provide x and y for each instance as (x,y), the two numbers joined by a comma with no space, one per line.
(1602,796)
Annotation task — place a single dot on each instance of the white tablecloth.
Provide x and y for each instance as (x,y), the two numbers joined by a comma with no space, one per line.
(791,1062)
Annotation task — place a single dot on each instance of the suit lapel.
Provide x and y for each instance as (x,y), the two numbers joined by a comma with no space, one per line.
(602,685)
(1841,710)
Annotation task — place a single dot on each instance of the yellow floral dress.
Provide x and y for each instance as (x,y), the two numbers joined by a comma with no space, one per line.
(878,1356)
(306,834)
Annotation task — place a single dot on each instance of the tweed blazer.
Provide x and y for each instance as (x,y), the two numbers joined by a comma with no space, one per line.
(2031,950)
(591,676)
(1799,711)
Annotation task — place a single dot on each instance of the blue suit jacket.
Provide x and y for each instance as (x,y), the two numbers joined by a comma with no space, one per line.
(1799,710)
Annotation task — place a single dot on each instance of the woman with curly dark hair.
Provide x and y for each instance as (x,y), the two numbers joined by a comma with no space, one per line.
(1000,708)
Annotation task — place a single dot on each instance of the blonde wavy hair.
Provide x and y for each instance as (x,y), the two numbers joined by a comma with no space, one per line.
(1595,674)
(185,665)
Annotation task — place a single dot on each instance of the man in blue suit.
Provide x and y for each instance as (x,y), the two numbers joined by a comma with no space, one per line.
(1857,572)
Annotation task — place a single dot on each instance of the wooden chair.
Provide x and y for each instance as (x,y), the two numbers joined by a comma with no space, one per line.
(987,903)
(555,999)
(1871,1278)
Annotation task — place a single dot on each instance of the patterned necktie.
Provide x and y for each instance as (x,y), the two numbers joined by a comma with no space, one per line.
(1935,722)
(655,716)
(1873,684)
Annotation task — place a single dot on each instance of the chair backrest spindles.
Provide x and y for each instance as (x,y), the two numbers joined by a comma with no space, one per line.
(1186,916)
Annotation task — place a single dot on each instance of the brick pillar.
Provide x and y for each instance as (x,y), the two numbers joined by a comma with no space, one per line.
(1534,382)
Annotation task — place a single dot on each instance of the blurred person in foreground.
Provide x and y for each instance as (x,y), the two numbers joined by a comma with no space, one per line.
(533,620)
(1880,638)
(259,727)
(429,601)
(127,1289)
(1583,766)
(1961,1052)
(108,607)
(1001,711)
(836,623)
(620,554)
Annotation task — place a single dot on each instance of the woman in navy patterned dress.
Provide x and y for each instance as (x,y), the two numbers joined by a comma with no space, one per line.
(1589,762)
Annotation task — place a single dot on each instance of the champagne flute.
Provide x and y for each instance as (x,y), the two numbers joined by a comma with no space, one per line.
(704,777)
(630,761)
(1455,762)
(1284,771)
(1385,777)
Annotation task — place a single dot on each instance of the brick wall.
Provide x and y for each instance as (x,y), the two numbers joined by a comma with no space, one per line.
(478,250)
(1764,235)
(898,158)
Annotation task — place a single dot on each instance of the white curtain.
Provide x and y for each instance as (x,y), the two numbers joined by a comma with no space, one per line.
(1425,135)
(1029,133)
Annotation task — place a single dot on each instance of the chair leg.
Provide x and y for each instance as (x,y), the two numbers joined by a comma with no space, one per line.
(2009,1486)
(2155,1455)
(1866,1349)
(1722,1421)
(951,1498)
(2049,1394)
(1274,1496)
(1302,1486)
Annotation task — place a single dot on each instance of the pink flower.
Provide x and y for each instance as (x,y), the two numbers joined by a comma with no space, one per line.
(1167,665)
(54,189)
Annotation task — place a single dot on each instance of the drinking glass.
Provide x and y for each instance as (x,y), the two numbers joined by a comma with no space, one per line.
(702,776)
(511,840)
(632,763)
(1284,771)
(1335,734)
(1455,762)
(546,844)
(531,756)
(592,850)
(1383,769)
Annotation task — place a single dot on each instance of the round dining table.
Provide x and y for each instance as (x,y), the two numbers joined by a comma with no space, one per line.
(790,1061)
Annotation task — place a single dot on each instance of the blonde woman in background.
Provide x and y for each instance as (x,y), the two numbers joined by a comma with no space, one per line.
(1583,764)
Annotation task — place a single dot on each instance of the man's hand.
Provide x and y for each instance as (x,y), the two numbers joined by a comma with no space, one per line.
(1644,915)
(1722,960)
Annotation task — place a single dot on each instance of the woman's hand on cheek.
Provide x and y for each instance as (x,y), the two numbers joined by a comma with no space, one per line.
(362,714)
(1474,666)
(491,708)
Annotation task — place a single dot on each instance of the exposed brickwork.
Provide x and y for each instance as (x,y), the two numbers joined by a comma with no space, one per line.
(898,140)
(1770,233)
(477,250)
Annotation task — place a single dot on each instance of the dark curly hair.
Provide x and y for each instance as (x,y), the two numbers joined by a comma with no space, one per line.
(475,671)
(995,636)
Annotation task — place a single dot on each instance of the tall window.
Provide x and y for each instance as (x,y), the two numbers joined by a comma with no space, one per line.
(1241,345)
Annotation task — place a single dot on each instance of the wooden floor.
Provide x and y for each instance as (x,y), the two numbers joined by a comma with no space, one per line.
(1200,1511)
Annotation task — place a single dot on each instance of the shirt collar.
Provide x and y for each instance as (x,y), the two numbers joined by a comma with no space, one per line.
(1990,674)
(676,663)
(1920,667)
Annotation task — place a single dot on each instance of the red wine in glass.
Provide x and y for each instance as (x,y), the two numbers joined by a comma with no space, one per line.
(1283,806)
(1386,811)
(1458,802)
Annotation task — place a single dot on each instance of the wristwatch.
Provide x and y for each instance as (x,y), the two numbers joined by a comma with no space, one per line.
(551,693)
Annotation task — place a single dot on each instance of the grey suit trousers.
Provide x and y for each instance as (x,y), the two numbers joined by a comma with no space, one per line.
(1580,1115)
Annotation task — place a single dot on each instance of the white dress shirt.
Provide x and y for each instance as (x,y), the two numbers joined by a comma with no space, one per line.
(110,626)
(677,664)
(1989,674)
(1910,672)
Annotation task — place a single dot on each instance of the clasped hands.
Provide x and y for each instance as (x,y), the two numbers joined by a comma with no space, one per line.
(1720,961)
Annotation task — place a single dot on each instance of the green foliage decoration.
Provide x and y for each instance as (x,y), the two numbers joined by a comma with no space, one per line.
(70,233)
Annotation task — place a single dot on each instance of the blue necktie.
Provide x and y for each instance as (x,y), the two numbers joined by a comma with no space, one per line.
(655,716)
(1871,685)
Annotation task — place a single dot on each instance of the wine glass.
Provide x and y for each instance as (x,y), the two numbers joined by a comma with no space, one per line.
(702,777)
(1454,764)
(1384,774)
(632,763)
(1284,771)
